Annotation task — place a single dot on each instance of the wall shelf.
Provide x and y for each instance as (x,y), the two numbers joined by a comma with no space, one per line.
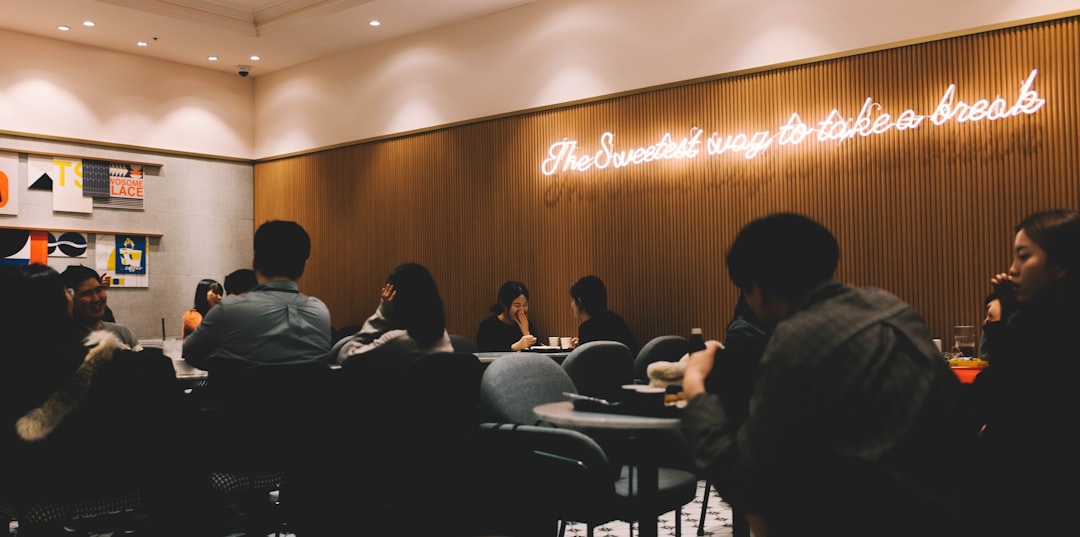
(94,231)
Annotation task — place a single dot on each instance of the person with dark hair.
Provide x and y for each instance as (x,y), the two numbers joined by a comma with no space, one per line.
(509,329)
(409,322)
(733,373)
(240,281)
(1000,304)
(207,295)
(82,417)
(852,413)
(1027,398)
(91,304)
(589,302)
(272,324)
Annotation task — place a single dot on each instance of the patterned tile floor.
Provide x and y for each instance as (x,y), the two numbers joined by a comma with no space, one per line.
(717,522)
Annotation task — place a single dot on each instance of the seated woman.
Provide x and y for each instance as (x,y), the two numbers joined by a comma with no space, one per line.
(509,328)
(88,418)
(207,294)
(1000,305)
(597,322)
(409,321)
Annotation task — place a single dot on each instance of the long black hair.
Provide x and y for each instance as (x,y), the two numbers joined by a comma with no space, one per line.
(417,305)
(507,293)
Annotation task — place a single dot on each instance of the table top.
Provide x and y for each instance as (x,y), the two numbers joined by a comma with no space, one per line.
(488,357)
(563,413)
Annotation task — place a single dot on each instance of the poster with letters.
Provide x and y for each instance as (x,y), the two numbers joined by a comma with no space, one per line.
(124,258)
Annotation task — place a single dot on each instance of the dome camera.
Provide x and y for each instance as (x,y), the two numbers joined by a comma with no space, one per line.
(243,70)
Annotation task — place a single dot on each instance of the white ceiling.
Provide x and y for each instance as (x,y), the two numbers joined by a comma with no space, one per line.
(283,33)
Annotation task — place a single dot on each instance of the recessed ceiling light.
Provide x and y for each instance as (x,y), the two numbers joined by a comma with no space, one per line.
(63,28)
(88,24)
(141,44)
(374,23)
(254,58)
(212,58)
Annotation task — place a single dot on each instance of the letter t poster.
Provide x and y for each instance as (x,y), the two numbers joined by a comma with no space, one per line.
(124,257)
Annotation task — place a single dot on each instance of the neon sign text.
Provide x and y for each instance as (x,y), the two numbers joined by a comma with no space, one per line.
(568,155)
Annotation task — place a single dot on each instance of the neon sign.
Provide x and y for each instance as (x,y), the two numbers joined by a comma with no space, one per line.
(568,156)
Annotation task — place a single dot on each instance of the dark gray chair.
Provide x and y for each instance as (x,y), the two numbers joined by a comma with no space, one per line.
(564,475)
(462,343)
(600,368)
(669,348)
(512,385)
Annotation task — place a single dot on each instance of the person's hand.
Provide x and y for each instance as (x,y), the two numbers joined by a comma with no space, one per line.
(106,280)
(388,293)
(1000,278)
(526,341)
(573,342)
(698,367)
(522,321)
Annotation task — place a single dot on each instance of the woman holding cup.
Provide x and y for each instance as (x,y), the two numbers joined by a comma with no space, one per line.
(1027,400)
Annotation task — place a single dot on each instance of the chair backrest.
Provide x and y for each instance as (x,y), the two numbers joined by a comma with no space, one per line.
(669,348)
(600,368)
(553,472)
(512,385)
(462,343)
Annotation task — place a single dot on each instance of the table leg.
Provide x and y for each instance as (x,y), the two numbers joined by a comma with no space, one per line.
(648,487)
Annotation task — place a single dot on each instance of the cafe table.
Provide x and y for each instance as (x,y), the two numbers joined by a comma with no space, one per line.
(563,413)
(488,357)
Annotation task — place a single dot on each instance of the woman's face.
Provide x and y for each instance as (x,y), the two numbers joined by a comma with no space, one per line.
(993,311)
(212,298)
(1032,273)
(518,306)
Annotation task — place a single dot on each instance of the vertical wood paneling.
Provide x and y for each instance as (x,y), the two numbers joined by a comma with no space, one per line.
(926,213)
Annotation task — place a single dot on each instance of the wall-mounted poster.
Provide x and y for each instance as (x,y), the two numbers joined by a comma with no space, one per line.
(114,185)
(68,244)
(64,177)
(124,257)
(9,183)
(22,247)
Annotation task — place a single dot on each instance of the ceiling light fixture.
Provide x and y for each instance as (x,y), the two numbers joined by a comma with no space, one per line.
(141,44)
(212,58)
(88,24)
(254,58)
(374,23)
(63,28)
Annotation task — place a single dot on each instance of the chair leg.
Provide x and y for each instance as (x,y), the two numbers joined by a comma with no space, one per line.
(678,522)
(704,508)
(562,528)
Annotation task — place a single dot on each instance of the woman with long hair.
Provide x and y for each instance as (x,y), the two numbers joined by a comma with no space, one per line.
(1026,398)
(207,295)
(410,320)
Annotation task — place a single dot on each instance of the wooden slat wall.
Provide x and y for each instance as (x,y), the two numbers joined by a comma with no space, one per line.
(926,213)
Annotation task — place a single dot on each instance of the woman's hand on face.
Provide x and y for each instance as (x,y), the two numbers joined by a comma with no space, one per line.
(999,278)
(388,292)
(522,320)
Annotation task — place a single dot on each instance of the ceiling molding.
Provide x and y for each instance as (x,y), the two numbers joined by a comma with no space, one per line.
(239,16)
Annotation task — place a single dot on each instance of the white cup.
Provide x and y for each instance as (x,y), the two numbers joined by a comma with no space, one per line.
(564,342)
(553,341)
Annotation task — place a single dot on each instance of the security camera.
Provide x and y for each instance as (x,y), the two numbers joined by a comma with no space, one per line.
(243,70)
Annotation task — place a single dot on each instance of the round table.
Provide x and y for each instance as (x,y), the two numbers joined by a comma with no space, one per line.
(563,413)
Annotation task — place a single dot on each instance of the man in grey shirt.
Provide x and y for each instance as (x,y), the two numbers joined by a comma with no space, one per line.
(89,297)
(274,323)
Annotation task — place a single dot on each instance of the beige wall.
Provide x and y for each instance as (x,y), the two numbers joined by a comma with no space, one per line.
(543,53)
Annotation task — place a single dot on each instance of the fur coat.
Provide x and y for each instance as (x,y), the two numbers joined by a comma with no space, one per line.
(37,423)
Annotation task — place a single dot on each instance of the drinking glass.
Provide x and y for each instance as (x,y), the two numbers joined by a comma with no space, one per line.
(964,341)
